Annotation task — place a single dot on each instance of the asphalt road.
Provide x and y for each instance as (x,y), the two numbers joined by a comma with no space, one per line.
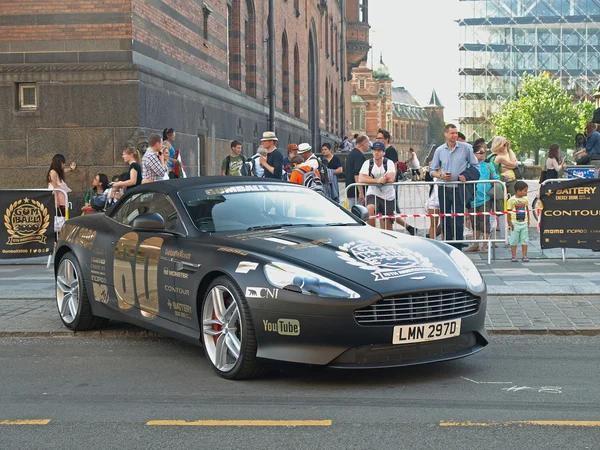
(102,393)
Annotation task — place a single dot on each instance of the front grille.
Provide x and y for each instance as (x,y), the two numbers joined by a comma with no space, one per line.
(418,308)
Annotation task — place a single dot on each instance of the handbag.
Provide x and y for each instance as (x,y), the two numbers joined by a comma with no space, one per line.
(518,174)
(59,221)
(496,192)
(583,161)
(98,203)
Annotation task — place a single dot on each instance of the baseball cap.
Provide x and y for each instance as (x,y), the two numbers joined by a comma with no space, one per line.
(379,146)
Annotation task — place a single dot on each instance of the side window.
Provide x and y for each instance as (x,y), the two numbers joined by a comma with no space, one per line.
(160,204)
(123,212)
(149,202)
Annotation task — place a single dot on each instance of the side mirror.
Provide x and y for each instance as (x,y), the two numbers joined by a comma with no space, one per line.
(149,222)
(361,212)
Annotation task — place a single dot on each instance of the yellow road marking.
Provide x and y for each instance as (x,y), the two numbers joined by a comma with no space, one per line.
(25,422)
(241,423)
(544,423)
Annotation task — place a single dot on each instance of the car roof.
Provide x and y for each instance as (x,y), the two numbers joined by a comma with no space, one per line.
(179,184)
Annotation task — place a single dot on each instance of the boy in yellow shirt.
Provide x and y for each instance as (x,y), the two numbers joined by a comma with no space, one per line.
(518,220)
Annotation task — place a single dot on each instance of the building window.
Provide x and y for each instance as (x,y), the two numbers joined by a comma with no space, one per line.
(332,40)
(363,11)
(331,108)
(326,104)
(206,10)
(296,81)
(28,98)
(297,8)
(362,84)
(326,38)
(359,118)
(234,45)
(250,54)
(285,78)
(336,126)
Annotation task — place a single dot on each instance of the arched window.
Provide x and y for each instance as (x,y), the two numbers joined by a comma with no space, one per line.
(297,8)
(296,82)
(326,104)
(233,45)
(285,74)
(250,56)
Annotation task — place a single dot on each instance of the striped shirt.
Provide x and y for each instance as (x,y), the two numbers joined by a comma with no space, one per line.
(152,169)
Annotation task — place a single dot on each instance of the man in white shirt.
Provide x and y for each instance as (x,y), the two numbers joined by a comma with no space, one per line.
(305,150)
(379,174)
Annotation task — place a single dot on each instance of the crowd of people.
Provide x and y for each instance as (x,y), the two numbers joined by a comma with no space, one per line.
(453,163)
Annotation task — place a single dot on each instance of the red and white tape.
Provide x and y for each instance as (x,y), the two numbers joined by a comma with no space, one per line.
(467,214)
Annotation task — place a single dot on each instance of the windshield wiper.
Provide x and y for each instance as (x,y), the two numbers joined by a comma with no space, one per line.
(341,224)
(278,226)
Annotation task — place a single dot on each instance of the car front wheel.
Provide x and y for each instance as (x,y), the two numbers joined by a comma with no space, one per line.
(72,298)
(228,333)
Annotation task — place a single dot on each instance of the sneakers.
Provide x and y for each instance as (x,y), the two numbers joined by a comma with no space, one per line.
(411,230)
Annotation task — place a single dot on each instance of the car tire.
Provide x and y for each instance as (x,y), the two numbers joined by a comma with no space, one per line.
(72,299)
(228,333)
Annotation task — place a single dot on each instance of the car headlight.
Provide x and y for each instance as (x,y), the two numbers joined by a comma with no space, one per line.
(466,267)
(288,276)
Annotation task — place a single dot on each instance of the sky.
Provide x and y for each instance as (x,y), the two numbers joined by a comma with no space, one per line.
(419,42)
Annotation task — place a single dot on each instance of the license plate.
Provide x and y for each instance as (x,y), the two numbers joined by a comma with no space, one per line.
(409,334)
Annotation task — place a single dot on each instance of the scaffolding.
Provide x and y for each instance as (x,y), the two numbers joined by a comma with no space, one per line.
(502,39)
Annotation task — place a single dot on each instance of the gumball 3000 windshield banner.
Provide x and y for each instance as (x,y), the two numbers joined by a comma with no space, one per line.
(27,223)
(571,214)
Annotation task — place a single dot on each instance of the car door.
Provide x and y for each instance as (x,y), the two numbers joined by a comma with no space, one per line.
(142,273)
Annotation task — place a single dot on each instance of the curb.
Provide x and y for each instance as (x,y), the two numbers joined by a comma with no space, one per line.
(83,334)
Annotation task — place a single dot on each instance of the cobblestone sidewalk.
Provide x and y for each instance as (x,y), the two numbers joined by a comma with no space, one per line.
(506,315)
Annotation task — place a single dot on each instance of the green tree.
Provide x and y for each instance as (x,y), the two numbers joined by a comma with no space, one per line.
(542,114)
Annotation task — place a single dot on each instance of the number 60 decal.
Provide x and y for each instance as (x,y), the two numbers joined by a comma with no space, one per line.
(135,273)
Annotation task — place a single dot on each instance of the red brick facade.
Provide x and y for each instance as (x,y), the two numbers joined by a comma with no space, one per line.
(108,72)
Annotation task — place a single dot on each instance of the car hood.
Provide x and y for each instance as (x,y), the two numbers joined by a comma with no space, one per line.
(384,261)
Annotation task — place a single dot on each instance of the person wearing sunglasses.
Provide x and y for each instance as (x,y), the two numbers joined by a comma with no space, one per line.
(482,202)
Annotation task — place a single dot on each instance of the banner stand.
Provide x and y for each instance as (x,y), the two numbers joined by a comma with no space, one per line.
(570,210)
(30,221)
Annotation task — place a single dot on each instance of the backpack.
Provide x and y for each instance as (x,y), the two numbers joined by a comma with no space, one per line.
(490,160)
(325,178)
(372,164)
(228,161)
(248,169)
(311,180)
(400,170)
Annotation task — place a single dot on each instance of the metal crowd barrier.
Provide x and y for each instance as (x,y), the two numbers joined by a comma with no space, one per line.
(429,209)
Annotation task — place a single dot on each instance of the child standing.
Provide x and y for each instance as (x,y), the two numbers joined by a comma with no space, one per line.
(518,220)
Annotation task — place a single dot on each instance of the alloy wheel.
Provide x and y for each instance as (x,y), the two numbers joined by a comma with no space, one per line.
(67,291)
(222,328)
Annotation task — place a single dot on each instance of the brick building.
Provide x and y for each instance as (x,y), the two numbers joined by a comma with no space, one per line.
(83,78)
(376,104)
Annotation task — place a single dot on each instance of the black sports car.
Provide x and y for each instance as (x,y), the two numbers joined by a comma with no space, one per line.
(261,271)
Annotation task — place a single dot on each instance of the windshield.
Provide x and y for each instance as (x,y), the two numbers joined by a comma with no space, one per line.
(248,207)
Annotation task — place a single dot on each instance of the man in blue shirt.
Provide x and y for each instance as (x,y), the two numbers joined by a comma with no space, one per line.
(449,162)
(592,146)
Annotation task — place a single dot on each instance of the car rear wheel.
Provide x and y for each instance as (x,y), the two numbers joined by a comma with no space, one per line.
(228,333)
(71,296)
